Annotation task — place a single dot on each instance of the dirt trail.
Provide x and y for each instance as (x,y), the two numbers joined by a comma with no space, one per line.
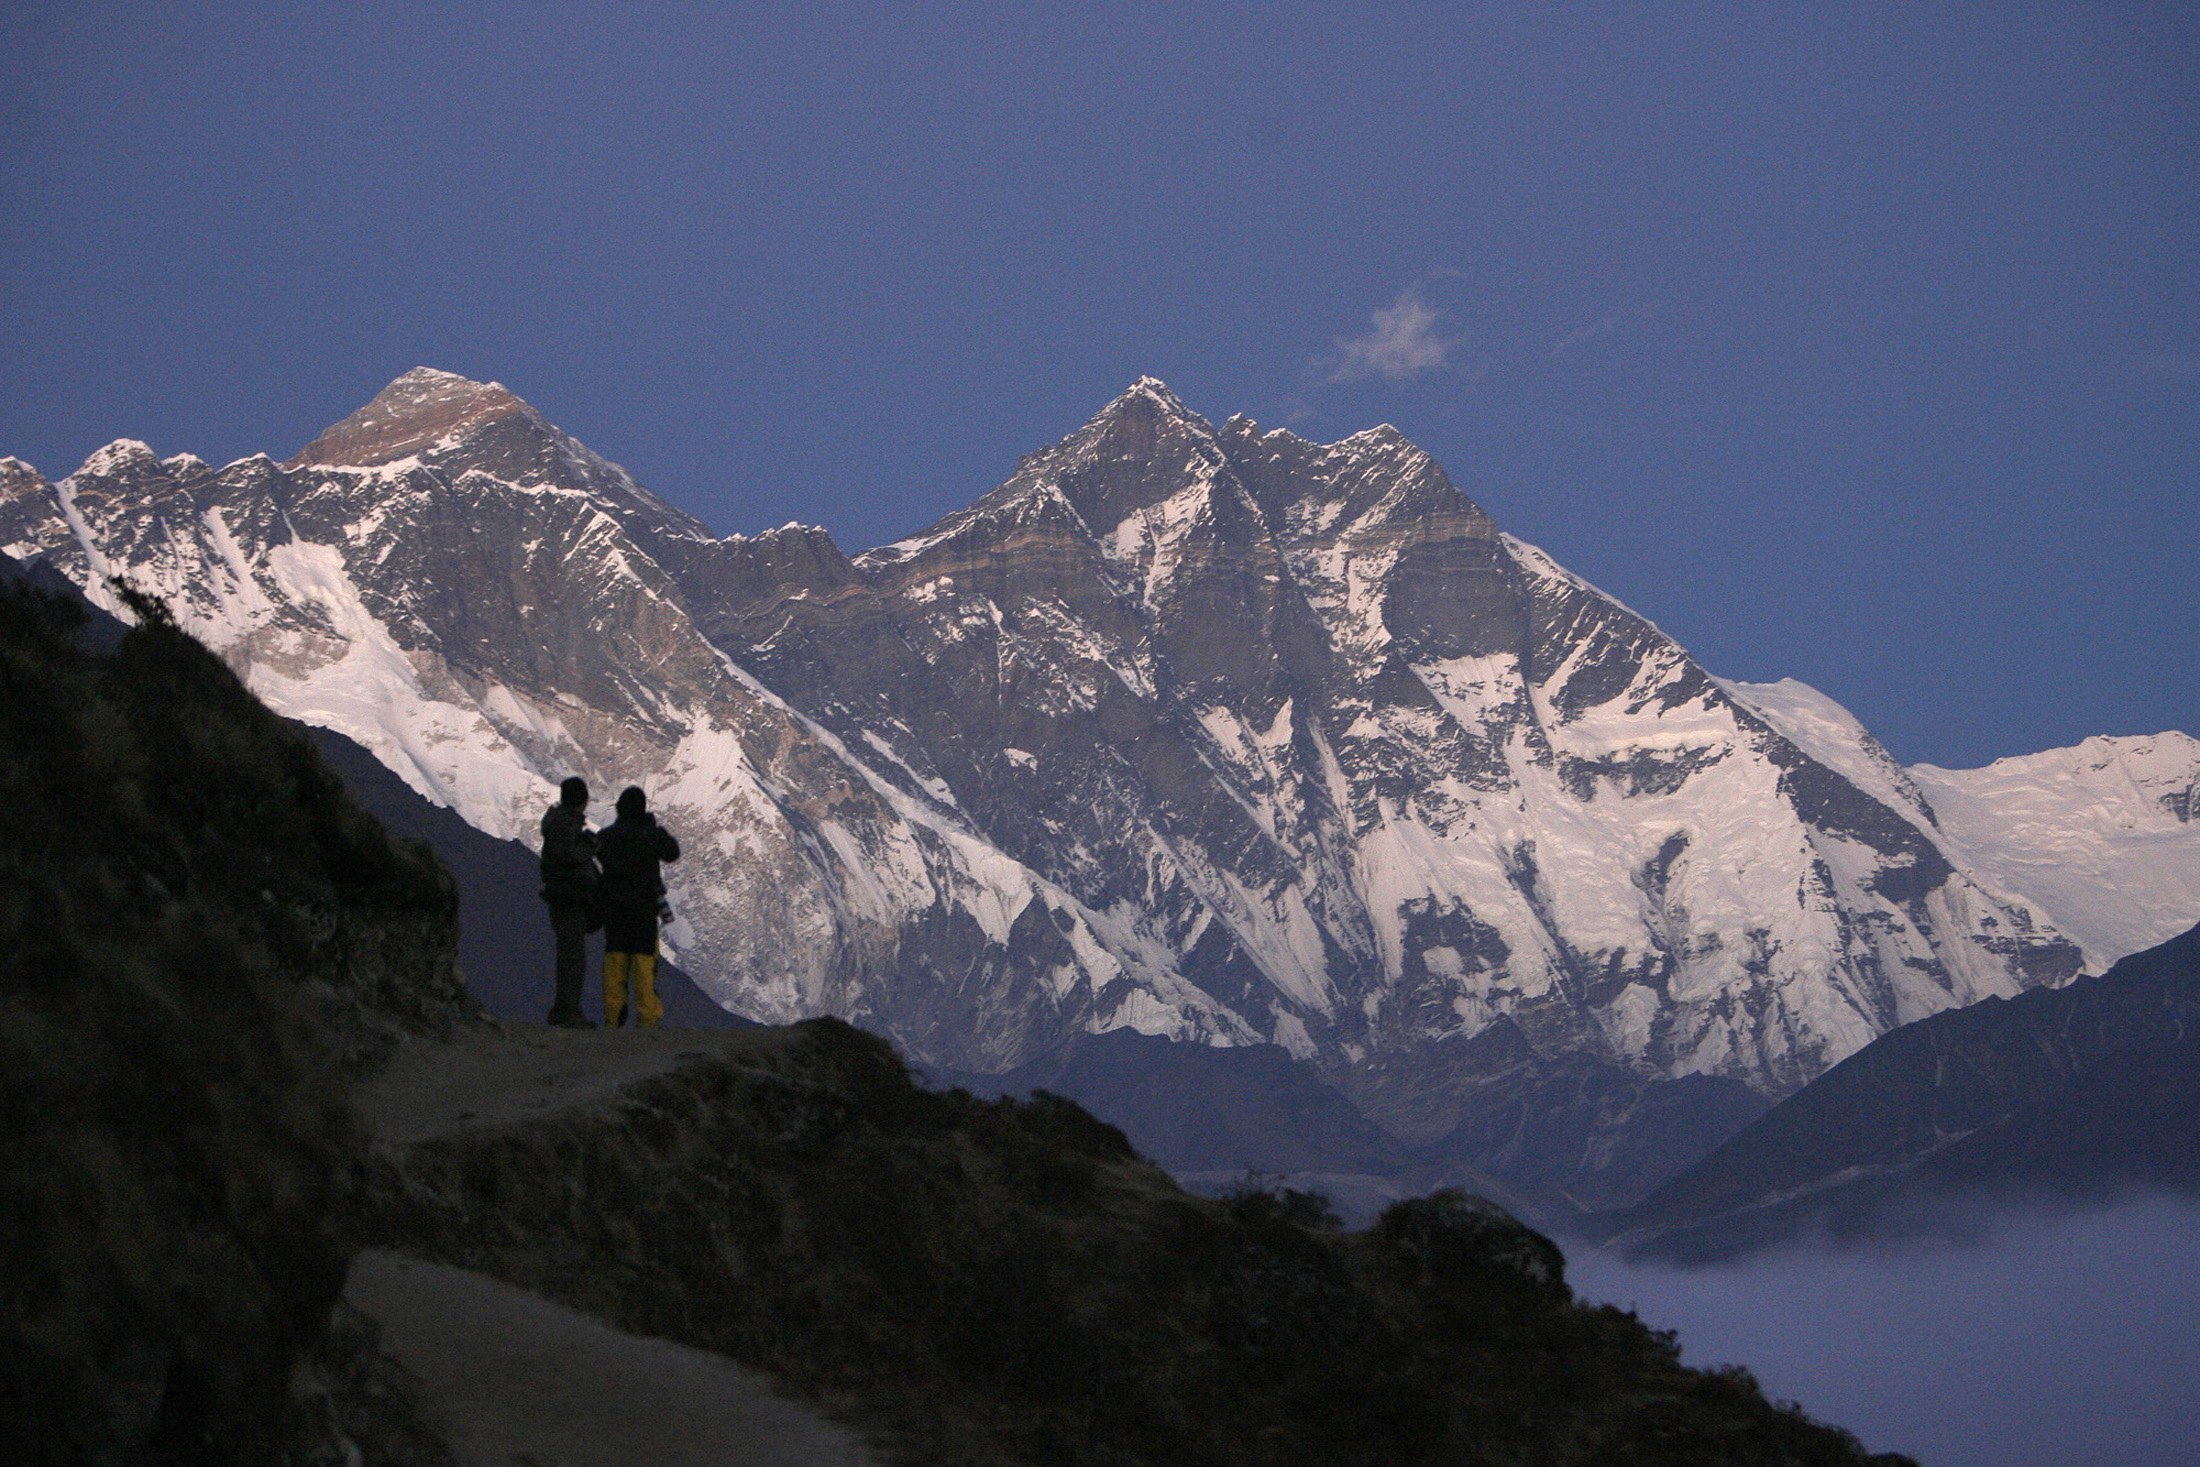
(516,1072)
(521,1381)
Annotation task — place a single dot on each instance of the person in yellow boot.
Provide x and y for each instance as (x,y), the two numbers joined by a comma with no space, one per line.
(631,853)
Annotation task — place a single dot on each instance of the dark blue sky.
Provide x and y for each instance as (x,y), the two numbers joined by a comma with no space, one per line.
(1851,343)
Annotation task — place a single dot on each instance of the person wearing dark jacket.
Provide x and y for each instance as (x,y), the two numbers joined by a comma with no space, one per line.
(631,850)
(569,885)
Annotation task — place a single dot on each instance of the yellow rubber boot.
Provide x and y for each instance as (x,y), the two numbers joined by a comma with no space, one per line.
(614,989)
(647,1011)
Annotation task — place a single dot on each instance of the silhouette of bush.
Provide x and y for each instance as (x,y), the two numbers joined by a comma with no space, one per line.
(1450,1240)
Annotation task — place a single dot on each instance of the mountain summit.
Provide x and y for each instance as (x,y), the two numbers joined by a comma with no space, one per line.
(419,410)
(452,426)
(1217,734)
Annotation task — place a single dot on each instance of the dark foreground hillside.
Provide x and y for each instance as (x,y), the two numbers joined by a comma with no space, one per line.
(1004,1281)
(199,938)
(212,960)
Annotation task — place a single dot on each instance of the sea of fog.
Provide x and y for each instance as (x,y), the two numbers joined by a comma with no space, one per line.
(2062,1341)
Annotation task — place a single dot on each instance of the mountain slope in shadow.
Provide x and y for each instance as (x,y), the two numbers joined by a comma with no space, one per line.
(2070,1094)
(1002,1281)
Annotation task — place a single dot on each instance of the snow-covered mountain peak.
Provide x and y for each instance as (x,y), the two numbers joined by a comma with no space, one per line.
(124,455)
(1141,451)
(1382,438)
(457,427)
(2169,756)
(1242,428)
(2131,781)
(2171,752)
(435,379)
(1829,733)
(1372,486)
(1153,390)
(419,411)
(2104,835)
(795,529)
(1144,414)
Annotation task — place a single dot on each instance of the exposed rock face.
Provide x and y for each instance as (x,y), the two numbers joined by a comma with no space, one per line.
(1217,734)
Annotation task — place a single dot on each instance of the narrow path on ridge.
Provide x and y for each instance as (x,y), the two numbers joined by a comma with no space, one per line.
(519,1381)
(517,1072)
(515,1379)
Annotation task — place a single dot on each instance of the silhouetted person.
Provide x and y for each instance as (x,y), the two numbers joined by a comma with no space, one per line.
(570,886)
(630,850)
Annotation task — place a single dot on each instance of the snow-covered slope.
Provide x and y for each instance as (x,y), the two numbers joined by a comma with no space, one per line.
(2104,838)
(1218,734)
(1832,735)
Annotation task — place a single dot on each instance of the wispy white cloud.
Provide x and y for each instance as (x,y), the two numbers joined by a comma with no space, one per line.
(1400,342)
(1599,327)
(1589,332)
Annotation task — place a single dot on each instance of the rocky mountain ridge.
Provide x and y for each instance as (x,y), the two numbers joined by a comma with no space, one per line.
(1210,733)
(2083,1093)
